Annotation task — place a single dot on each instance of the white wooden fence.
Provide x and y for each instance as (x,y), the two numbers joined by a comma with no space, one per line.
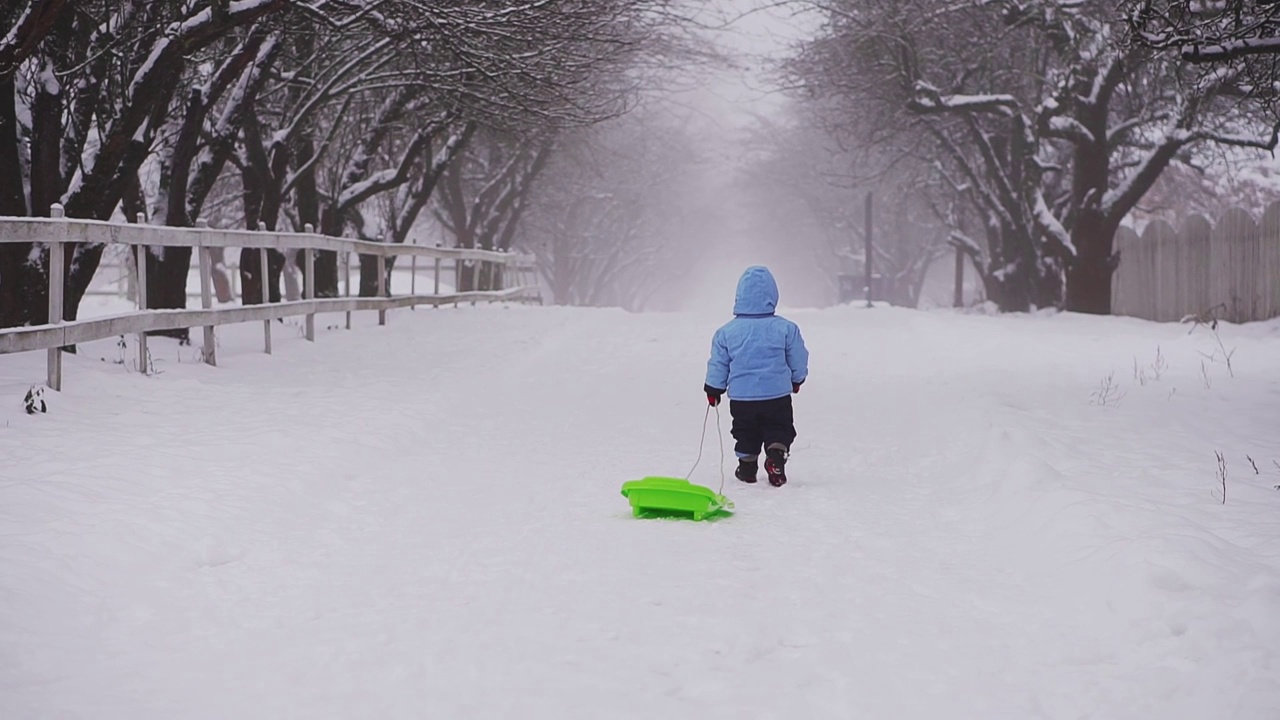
(517,272)
(1233,266)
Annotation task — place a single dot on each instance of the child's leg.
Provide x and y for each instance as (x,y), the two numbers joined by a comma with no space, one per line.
(746,429)
(777,425)
(778,431)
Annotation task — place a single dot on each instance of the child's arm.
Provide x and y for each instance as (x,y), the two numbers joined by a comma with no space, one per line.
(797,356)
(718,365)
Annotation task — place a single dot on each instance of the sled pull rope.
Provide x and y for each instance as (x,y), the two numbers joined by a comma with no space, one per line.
(702,443)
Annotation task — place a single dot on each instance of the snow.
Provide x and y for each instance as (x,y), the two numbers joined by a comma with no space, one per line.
(1071,128)
(931,98)
(1051,226)
(1231,50)
(423,520)
(47,78)
(146,72)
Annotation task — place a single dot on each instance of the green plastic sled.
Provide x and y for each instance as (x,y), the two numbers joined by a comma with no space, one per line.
(663,496)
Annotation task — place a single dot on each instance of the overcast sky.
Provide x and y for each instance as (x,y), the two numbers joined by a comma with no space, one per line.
(758,32)
(727,102)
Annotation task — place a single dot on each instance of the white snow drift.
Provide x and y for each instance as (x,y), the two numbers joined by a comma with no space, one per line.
(423,520)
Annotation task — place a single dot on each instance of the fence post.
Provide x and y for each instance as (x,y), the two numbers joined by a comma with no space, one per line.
(141,262)
(55,302)
(457,278)
(475,278)
(346,270)
(264,276)
(382,287)
(959,297)
(413,276)
(870,248)
(309,283)
(206,297)
(436,291)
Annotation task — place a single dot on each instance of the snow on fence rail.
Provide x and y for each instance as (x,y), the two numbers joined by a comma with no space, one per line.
(513,269)
(1168,273)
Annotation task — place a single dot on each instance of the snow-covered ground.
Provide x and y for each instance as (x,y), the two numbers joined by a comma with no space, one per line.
(423,520)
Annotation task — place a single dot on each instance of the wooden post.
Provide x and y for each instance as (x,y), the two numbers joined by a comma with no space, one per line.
(457,279)
(209,352)
(959,298)
(309,289)
(56,276)
(382,287)
(413,276)
(436,291)
(346,269)
(869,250)
(141,261)
(309,283)
(264,275)
(475,278)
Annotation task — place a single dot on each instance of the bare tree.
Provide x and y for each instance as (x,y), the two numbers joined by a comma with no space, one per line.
(1053,131)
(484,195)
(613,206)
(93,85)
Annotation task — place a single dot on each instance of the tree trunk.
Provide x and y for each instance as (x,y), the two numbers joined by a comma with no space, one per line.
(167,275)
(250,276)
(167,267)
(326,262)
(17,276)
(307,197)
(46,151)
(1089,273)
(262,209)
(1089,276)
(369,275)
(46,181)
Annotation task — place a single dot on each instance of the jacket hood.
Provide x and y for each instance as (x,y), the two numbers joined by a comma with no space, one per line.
(757,292)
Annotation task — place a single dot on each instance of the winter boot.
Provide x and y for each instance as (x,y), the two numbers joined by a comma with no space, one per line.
(746,471)
(776,464)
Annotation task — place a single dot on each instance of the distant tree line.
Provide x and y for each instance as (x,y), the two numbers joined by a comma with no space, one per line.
(356,117)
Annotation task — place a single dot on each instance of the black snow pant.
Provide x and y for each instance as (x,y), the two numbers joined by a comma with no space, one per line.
(758,424)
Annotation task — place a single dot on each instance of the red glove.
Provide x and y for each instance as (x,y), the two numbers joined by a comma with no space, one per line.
(795,387)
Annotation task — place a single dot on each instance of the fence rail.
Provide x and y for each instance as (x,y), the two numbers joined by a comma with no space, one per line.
(1167,273)
(58,334)
(95,232)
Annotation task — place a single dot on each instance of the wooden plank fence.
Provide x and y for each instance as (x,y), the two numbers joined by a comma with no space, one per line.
(516,277)
(1167,273)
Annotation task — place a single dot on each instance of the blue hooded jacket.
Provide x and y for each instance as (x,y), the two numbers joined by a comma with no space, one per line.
(757,355)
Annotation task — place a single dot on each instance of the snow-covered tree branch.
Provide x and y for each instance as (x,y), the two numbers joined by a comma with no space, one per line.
(1056,159)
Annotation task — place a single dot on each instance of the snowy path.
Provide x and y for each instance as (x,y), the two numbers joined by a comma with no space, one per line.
(423,521)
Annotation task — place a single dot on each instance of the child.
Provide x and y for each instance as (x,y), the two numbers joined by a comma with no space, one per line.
(760,359)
